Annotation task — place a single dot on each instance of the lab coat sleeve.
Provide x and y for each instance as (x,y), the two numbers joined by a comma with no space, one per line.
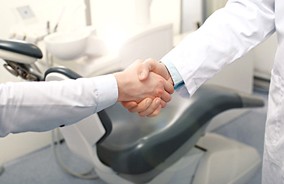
(225,36)
(42,106)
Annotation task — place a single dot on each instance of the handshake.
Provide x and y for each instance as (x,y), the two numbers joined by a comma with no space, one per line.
(144,87)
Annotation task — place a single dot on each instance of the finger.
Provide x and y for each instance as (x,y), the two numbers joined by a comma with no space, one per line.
(156,112)
(150,65)
(151,108)
(142,106)
(143,74)
(169,87)
(129,105)
(144,71)
(157,67)
(166,97)
(163,104)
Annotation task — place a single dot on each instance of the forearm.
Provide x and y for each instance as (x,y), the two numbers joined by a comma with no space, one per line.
(225,36)
(41,106)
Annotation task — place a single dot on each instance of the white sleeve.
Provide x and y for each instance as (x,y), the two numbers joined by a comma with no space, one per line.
(42,106)
(227,35)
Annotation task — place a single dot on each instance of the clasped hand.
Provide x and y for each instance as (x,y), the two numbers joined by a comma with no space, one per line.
(144,87)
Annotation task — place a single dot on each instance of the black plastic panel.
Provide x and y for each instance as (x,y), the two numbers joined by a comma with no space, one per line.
(21,47)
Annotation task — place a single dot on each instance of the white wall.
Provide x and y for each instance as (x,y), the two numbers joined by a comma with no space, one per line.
(191,15)
(70,11)
(106,13)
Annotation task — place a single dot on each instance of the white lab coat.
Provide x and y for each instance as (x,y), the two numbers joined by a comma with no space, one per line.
(42,106)
(227,35)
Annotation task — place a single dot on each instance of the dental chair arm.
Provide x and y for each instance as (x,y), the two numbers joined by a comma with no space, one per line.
(60,73)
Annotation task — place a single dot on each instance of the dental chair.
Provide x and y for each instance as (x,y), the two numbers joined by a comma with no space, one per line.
(170,148)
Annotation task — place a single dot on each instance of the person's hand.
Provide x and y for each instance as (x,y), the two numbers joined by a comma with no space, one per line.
(151,65)
(149,107)
(132,88)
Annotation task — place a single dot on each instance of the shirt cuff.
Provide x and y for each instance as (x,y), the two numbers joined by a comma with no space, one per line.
(107,91)
(176,77)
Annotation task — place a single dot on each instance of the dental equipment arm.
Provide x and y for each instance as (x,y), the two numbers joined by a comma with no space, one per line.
(26,53)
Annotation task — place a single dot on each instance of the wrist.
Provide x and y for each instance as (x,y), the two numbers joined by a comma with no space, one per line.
(174,74)
(170,79)
(119,79)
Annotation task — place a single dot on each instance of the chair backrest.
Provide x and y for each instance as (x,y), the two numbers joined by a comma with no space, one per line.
(140,145)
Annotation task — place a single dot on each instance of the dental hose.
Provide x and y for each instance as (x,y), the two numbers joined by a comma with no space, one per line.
(89,175)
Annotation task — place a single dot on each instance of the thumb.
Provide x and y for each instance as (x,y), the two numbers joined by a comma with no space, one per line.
(143,72)
(157,67)
(151,65)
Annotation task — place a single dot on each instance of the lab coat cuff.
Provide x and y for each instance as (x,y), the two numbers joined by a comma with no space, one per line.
(175,75)
(107,91)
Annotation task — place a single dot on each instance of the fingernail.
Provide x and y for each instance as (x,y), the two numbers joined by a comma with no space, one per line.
(148,101)
(157,101)
(142,75)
